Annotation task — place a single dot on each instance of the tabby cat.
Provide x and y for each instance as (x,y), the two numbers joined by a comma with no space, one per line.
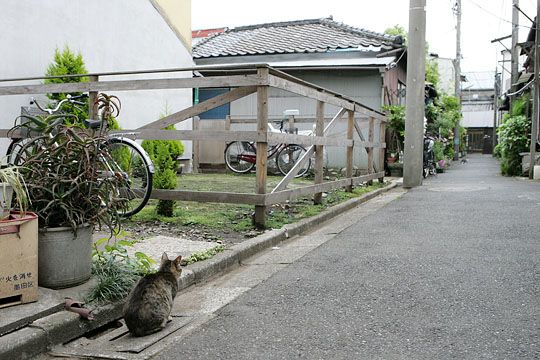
(150,303)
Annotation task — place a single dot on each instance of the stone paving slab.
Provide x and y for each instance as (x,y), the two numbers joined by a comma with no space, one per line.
(16,317)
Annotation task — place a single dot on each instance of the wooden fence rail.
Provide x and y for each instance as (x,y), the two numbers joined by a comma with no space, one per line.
(243,81)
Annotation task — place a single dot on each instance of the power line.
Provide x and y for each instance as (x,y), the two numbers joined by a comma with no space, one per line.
(495,15)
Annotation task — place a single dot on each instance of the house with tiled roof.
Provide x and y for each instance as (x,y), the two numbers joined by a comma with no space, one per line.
(366,66)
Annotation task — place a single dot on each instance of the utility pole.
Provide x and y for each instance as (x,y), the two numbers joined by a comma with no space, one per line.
(496,89)
(536,94)
(514,60)
(416,73)
(457,68)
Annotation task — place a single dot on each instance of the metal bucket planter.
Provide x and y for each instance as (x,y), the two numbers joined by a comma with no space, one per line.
(64,258)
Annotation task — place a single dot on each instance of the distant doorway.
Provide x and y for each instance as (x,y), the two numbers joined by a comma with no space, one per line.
(479,140)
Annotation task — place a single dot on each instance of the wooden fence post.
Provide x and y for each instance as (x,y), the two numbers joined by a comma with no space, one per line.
(319,158)
(92,98)
(262,148)
(382,139)
(370,153)
(196,147)
(350,128)
(291,124)
(228,122)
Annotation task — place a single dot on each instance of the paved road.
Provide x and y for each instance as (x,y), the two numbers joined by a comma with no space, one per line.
(450,270)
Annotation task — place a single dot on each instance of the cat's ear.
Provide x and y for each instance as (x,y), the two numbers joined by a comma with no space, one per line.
(164,258)
(177,261)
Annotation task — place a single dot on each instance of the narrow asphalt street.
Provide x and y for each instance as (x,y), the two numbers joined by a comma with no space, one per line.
(449,270)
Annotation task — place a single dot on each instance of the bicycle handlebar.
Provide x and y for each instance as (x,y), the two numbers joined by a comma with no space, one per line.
(68,98)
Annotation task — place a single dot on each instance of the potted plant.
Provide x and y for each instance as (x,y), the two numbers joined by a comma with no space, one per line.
(61,171)
(391,158)
(12,182)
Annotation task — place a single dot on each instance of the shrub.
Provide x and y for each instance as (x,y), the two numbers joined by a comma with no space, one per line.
(438,150)
(116,272)
(396,119)
(165,177)
(164,155)
(513,139)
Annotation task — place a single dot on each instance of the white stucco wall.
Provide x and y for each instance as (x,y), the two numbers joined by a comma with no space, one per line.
(119,35)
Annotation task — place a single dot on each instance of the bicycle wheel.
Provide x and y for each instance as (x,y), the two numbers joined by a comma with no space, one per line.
(240,156)
(13,149)
(433,169)
(20,149)
(127,161)
(289,156)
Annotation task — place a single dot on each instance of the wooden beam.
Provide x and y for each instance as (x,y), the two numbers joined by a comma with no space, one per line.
(147,84)
(319,159)
(201,135)
(201,107)
(306,140)
(309,151)
(366,144)
(350,148)
(262,149)
(284,195)
(366,178)
(309,92)
(209,196)
(358,107)
(370,139)
(259,199)
(196,145)
(92,98)
(382,139)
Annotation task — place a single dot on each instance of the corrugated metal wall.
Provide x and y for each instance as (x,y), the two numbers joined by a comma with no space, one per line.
(361,85)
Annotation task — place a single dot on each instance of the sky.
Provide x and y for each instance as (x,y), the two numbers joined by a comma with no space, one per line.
(482,21)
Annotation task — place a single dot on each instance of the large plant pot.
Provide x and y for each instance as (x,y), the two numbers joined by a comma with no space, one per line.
(6,194)
(64,258)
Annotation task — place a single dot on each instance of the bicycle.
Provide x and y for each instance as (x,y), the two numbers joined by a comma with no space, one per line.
(124,159)
(241,156)
(429,166)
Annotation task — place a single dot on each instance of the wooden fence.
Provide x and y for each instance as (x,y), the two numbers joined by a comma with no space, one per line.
(243,81)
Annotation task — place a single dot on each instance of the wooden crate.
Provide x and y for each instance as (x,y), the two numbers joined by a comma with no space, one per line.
(18,259)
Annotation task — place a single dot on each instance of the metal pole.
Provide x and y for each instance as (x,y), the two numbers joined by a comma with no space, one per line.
(536,93)
(414,121)
(457,65)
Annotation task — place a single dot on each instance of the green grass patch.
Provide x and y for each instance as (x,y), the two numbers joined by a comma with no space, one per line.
(204,255)
(232,217)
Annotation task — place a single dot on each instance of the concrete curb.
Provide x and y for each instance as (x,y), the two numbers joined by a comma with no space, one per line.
(63,326)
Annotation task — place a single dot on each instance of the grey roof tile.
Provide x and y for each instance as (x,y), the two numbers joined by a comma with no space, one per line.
(304,36)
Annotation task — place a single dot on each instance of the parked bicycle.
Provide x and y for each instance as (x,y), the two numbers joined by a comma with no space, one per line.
(124,158)
(429,166)
(241,156)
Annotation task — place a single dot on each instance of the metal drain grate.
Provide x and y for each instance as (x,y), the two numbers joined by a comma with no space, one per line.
(118,343)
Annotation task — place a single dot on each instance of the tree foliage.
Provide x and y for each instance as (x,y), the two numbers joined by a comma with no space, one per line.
(397,30)
(66,62)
